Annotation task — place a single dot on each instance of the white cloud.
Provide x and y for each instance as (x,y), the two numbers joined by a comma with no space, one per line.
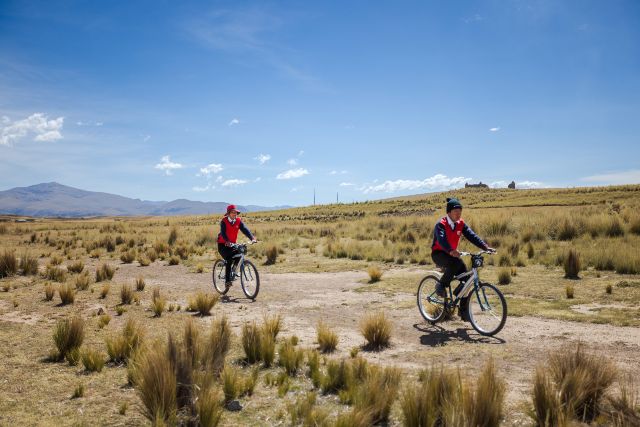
(205,188)
(346,184)
(475,18)
(300,153)
(167,165)
(495,129)
(146,138)
(519,184)
(335,172)
(36,124)
(219,178)
(529,184)
(212,168)
(292,162)
(258,179)
(615,178)
(234,122)
(263,158)
(81,123)
(293,173)
(233,182)
(436,182)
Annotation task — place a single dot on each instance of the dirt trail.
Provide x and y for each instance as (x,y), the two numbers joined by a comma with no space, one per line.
(305,298)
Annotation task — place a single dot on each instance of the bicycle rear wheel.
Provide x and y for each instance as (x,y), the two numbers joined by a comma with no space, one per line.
(250,280)
(219,283)
(487,310)
(430,305)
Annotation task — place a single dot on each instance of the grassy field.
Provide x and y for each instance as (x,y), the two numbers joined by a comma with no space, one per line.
(533,230)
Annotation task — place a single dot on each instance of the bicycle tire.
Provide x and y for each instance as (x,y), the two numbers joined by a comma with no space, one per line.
(427,284)
(218,279)
(473,301)
(249,270)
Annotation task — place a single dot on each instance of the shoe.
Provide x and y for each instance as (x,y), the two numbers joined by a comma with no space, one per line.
(440,291)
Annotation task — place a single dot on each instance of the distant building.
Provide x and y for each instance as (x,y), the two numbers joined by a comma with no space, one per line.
(512,185)
(478,185)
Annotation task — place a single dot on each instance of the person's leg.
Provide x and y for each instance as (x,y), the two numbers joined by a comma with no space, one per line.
(447,262)
(226,254)
(457,267)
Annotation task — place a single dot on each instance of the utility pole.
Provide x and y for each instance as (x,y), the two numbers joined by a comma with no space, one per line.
(314,197)
(337,199)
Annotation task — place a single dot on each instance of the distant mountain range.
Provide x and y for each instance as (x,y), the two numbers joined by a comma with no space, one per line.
(57,200)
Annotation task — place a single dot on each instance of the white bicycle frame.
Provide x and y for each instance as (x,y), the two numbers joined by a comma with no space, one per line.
(468,284)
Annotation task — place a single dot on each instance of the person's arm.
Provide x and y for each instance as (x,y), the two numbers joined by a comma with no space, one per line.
(223,232)
(441,237)
(469,234)
(246,231)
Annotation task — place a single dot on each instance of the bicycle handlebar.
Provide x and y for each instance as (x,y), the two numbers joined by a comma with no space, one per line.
(478,253)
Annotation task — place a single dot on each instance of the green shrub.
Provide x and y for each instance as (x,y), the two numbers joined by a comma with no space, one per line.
(375,274)
(504,276)
(140,284)
(218,344)
(572,385)
(327,339)
(129,256)
(28,265)
(121,347)
(82,281)
(572,265)
(271,254)
(67,294)
(92,360)
(68,336)
(49,291)
(204,302)
(76,267)
(376,330)
(290,357)
(104,272)
(126,294)
(156,385)
(569,291)
(56,274)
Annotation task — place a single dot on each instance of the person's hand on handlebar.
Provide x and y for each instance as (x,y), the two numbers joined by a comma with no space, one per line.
(254,240)
(454,253)
(490,249)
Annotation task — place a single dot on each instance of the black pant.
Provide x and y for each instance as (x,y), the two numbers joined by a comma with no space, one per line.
(227,254)
(452,266)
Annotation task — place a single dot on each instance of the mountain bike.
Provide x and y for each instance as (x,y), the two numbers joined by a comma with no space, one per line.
(486,308)
(242,268)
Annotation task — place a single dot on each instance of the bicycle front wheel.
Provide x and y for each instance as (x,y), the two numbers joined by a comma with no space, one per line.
(250,280)
(487,310)
(431,306)
(219,282)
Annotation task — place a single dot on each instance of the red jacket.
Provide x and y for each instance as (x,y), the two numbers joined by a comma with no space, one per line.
(229,231)
(452,236)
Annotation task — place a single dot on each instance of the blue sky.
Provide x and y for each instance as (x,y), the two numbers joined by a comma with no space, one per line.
(261,102)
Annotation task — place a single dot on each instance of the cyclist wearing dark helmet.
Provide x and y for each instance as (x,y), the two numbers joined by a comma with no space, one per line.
(230,225)
(444,249)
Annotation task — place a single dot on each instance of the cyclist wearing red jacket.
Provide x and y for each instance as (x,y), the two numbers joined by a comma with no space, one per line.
(230,225)
(444,249)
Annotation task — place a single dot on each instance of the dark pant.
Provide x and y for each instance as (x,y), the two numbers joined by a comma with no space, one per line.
(227,254)
(452,266)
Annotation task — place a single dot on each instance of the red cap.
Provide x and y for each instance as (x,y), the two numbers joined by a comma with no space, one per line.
(232,208)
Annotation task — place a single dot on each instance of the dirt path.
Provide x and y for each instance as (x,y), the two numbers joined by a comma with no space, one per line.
(305,298)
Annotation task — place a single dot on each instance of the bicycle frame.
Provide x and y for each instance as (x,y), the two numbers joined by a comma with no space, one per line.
(470,285)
